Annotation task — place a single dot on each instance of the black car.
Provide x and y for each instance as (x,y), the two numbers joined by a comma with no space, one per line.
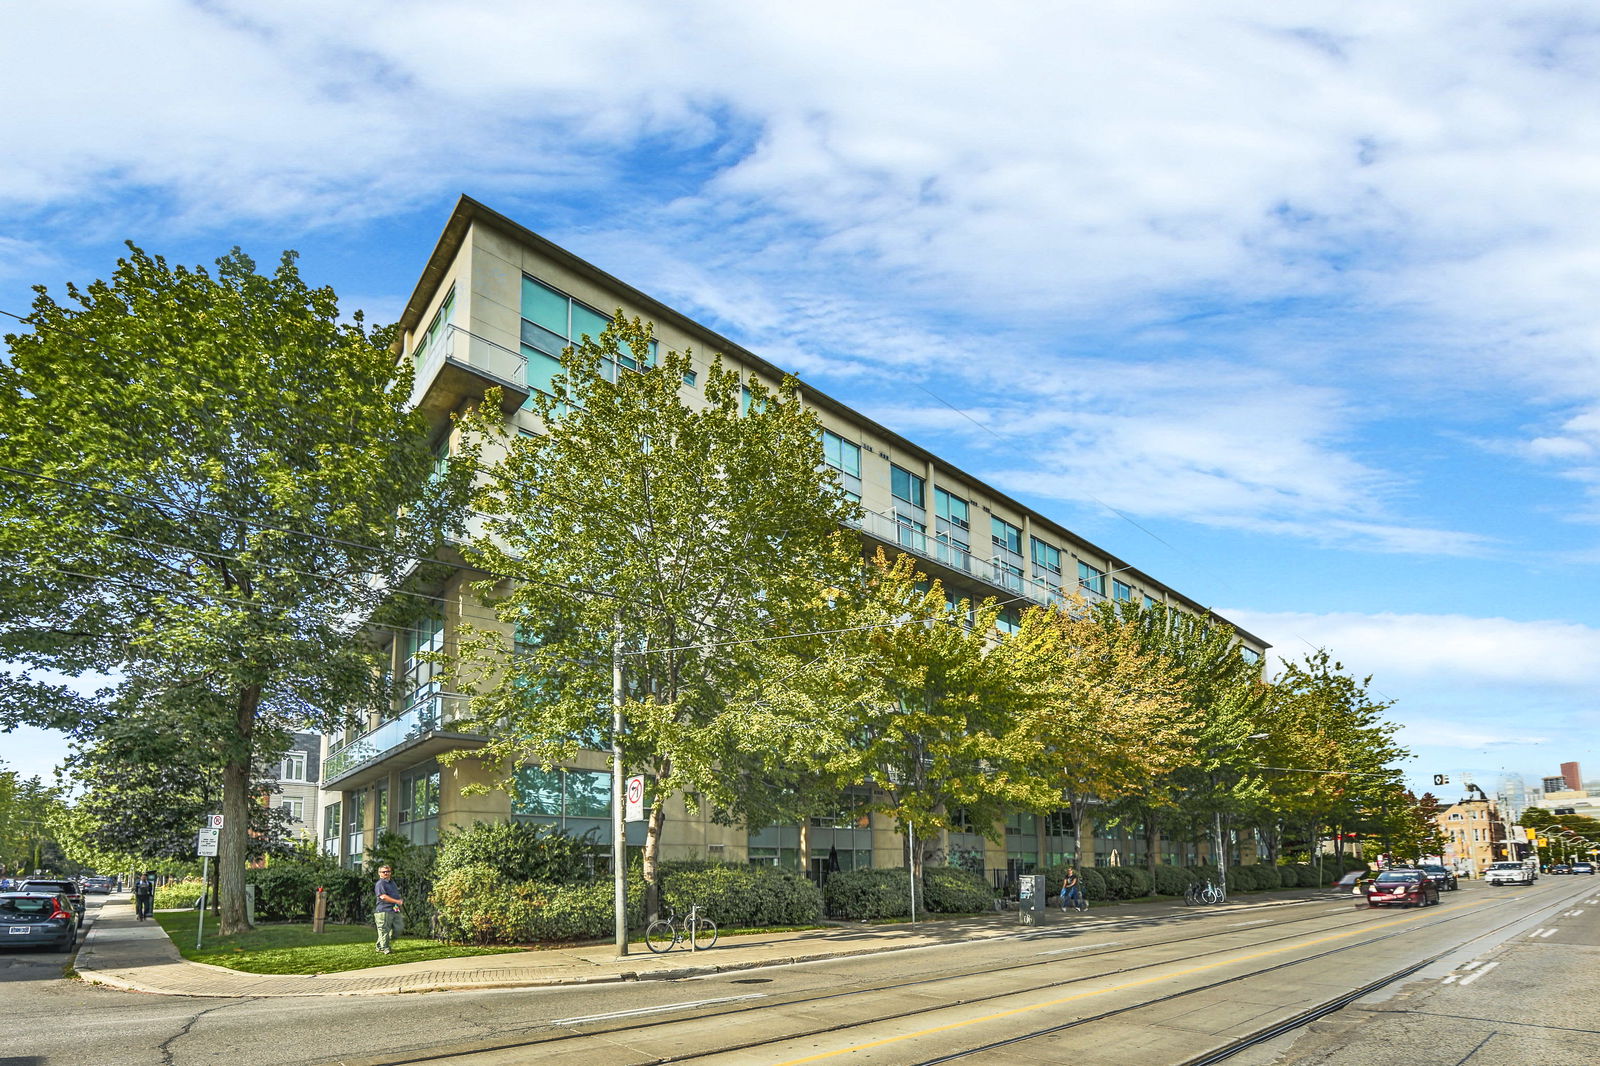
(1442,876)
(1560,868)
(38,919)
(99,885)
(58,886)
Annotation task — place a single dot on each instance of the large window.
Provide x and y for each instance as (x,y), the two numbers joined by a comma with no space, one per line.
(418,676)
(906,486)
(1046,557)
(1005,536)
(296,809)
(330,828)
(439,326)
(553,321)
(418,813)
(1121,591)
(1092,578)
(952,529)
(561,796)
(845,457)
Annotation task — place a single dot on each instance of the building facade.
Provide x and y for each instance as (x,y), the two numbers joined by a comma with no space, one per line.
(495,306)
(299,770)
(1475,835)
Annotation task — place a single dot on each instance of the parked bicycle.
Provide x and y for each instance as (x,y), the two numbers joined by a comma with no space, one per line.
(664,934)
(1202,892)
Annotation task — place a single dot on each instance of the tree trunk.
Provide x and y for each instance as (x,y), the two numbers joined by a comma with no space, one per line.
(652,852)
(233,846)
(805,847)
(1152,845)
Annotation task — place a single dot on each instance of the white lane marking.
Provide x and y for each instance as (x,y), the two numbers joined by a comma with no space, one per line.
(1240,925)
(1473,965)
(1467,980)
(1573,914)
(655,1010)
(1080,947)
(1549,932)
(1534,933)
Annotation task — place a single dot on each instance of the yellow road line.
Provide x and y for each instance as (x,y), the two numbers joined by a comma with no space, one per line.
(1167,976)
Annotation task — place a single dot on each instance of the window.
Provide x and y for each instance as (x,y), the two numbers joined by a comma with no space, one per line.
(906,486)
(1250,655)
(1009,620)
(1006,537)
(559,794)
(1009,575)
(845,457)
(294,767)
(330,828)
(418,677)
(1092,578)
(296,809)
(911,534)
(1046,558)
(552,321)
(1121,591)
(951,508)
(1149,602)
(439,326)
(418,814)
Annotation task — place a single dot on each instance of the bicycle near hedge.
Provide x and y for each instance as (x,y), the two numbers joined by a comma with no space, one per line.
(664,934)
(1202,892)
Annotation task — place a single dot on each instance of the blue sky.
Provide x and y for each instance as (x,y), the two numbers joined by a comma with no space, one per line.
(1293,306)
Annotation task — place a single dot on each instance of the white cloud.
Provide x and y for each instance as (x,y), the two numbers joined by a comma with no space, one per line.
(1455,650)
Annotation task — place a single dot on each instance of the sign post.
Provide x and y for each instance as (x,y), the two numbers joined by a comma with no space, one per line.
(206,844)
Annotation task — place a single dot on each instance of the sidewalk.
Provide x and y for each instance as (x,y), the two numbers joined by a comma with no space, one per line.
(121,952)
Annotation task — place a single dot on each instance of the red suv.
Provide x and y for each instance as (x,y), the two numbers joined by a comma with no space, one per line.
(1402,888)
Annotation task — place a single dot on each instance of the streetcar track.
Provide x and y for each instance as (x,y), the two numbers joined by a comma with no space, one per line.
(645,1025)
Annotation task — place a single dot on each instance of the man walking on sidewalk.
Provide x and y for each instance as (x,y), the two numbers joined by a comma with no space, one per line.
(388,913)
(144,896)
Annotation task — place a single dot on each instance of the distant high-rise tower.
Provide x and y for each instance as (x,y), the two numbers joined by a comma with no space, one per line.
(1570,774)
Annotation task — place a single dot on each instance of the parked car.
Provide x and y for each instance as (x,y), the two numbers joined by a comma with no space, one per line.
(1446,880)
(1583,867)
(38,919)
(58,886)
(98,885)
(1560,868)
(1402,888)
(1509,873)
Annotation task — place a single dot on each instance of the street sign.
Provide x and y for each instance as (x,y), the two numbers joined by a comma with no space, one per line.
(633,808)
(206,841)
(213,821)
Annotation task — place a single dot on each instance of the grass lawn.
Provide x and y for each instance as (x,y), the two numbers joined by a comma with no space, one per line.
(296,949)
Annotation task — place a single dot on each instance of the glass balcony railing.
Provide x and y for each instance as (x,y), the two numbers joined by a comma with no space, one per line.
(917,542)
(456,346)
(434,714)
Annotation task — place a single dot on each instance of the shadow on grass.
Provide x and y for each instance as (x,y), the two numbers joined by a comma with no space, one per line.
(295,949)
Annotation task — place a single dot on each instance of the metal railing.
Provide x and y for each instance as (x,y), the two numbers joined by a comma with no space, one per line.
(431,714)
(456,345)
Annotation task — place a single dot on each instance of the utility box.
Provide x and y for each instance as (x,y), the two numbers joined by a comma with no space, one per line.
(1031,898)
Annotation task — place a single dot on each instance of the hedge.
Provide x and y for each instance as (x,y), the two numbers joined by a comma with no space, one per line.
(741,896)
(952,890)
(1125,882)
(517,851)
(864,895)
(476,905)
(286,891)
(1173,880)
(177,895)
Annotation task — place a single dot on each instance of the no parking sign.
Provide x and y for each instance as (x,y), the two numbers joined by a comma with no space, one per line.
(633,807)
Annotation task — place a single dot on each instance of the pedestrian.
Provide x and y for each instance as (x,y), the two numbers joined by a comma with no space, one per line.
(388,913)
(144,896)
(1072,891)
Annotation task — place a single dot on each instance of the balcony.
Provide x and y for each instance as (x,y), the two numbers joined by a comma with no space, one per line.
(460,365)
(422,731)
(961,562)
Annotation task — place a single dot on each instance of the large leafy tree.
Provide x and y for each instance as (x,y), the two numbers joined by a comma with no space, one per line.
(679,532)
(31,814)
(1110,721)
(207,481)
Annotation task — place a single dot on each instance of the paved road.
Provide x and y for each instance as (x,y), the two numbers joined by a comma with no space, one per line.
(65,1022)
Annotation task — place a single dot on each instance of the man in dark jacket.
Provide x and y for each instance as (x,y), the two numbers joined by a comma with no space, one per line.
(144,896)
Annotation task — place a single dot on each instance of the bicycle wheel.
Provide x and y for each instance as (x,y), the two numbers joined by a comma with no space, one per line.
(705,934)
(660,935)
(1209,894)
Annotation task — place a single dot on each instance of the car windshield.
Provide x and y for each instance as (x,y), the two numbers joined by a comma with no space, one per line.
(1506,866)
(1434,869)
(1399,876)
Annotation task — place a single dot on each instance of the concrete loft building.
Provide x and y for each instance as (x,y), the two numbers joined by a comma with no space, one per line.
(495,306)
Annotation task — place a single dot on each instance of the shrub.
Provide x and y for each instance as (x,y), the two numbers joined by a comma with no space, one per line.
(474,904)
(1173,880)
(952,890)
(517,851)
(741,896)
(1094,883)
(863,895)
(1244,878)
(175,895)
(1203,872)
(1269,877)
(1125,882)
(286,891)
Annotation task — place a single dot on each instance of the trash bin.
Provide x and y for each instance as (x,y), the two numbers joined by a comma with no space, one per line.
(1031,899)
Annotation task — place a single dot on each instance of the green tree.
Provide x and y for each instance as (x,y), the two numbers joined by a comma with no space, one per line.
(680,532)
(31,823)
(207,481)
(1110,721)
